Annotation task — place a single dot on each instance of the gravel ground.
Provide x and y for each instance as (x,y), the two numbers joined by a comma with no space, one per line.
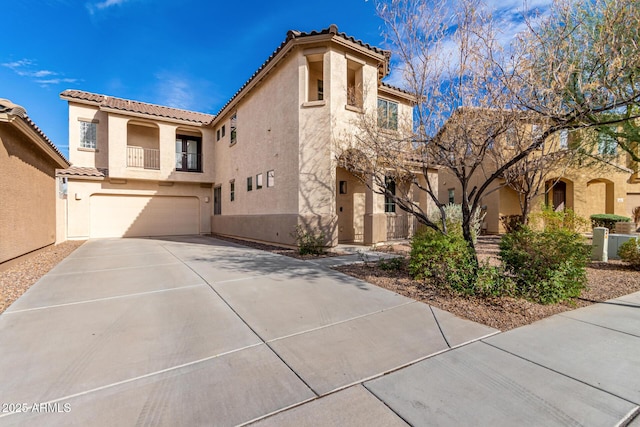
(16,279)
(606,281)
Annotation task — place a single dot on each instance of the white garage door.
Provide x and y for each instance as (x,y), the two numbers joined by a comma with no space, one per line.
(128,216)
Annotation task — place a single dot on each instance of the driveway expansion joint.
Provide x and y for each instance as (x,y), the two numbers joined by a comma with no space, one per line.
(560,373)
(104,299)
(245,323)
(137,378)
(563,315)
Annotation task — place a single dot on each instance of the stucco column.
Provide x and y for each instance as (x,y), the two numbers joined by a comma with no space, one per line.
(375,220)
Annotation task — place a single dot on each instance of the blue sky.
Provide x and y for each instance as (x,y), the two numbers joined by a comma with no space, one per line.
(186,54)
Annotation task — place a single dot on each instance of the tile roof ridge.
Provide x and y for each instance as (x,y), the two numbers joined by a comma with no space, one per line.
(296,34)
(108,101)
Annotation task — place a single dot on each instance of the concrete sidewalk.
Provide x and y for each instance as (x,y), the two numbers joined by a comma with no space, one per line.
(197,331)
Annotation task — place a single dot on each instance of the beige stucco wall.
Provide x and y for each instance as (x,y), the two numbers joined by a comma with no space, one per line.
(589,191)
(279,129)
(98,158)
(115,131)
(27,195)
(267,140)
(80,192)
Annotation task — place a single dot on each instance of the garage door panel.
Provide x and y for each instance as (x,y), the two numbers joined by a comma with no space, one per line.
(129,216)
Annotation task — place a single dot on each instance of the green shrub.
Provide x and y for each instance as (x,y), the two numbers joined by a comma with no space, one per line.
(453,214)
(548,219)
(493,282)
(629,252)
(308,242)
(511,223)
(547,266)
(391,264)
(607,220)
(446,259)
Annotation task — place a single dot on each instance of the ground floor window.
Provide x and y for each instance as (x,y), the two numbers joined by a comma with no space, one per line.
(389,201)
(217,200)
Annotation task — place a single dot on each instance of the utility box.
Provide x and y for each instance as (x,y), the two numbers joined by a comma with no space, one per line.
(600,245)
(617,240)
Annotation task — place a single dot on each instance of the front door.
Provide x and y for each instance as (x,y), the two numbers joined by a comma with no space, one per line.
(344,208)
(559,196)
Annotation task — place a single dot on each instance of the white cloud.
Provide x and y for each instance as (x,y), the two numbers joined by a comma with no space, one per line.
(510,18)
(94,7)
(28,68)
(48,82)
(175,91)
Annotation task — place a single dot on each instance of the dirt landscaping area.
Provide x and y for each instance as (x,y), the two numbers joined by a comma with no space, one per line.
(607,280)
(22,273)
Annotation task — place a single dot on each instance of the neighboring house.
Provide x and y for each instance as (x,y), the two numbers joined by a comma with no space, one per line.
(607,181)
(266,163)
(28,192)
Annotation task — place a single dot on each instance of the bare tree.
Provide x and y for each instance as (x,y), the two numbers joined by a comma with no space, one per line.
(579,67)
(575,68)
(450,59)
(529,177)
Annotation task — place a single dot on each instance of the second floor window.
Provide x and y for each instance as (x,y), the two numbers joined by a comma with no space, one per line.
(88,134)
(188,154)
(387,114)
(607,144)
(564,139)
(234,130)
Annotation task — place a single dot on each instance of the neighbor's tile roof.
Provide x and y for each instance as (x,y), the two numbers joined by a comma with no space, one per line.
(83,171)
(9,107)
(137,106)
(294,34)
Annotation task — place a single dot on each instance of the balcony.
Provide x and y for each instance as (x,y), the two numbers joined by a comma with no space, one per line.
(188,162)
(144,158)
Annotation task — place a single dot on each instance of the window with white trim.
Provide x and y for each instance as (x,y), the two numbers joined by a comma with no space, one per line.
(88,134)
(564,138)
(258,181)
(271,179)
(387,114)
(607,144)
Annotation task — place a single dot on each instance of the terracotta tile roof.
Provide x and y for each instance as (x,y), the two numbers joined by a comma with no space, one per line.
(294,34)
(396,88)
(83,171)
(9,107)
(137,106)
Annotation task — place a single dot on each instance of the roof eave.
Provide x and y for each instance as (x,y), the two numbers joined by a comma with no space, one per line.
(286,49)
(23,126)
(151,117)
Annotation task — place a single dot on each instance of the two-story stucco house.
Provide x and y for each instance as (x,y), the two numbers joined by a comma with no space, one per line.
(606,181)
(264,164)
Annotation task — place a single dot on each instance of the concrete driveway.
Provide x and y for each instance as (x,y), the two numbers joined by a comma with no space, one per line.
(196,331)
